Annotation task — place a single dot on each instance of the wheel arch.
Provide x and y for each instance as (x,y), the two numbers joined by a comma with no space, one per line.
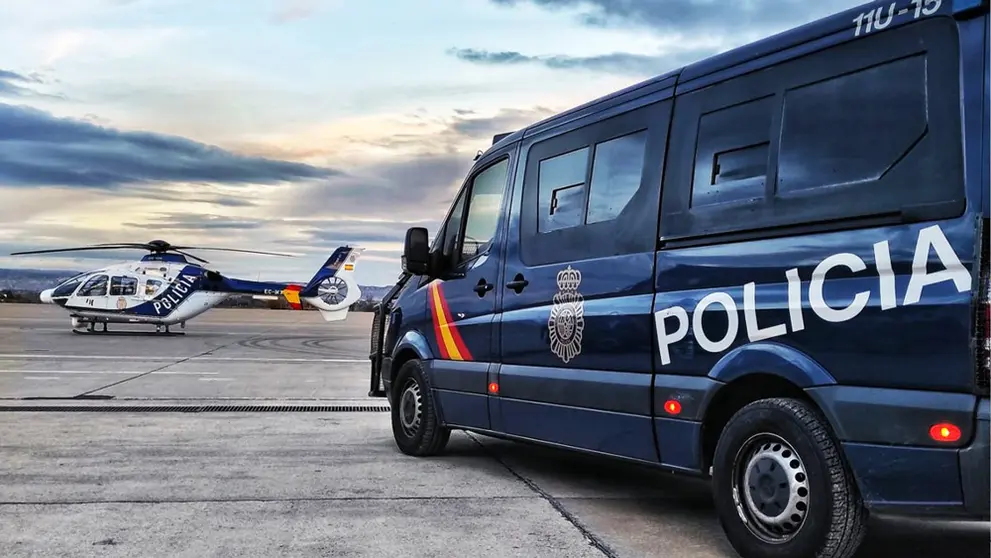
(412,345)
(752,372)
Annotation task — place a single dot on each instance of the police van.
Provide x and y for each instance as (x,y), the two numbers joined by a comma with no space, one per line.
(768,268)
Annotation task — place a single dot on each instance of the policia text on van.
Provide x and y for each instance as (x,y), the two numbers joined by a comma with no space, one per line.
(769,267)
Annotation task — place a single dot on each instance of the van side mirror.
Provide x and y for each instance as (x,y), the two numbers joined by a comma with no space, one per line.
(416,251)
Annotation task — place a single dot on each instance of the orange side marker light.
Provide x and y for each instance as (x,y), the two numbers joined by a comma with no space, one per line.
(944,432)
(672,407)
(494,388)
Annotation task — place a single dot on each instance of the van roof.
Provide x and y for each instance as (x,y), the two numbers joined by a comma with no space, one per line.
(708,66)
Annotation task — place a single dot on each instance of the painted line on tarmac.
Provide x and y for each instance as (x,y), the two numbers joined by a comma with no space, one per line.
(102,372)
(25,356)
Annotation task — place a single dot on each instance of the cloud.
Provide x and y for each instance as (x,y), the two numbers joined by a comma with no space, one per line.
(689,30)
(704,16)
(10,85)
(616,62)
(39,149)
(410,182)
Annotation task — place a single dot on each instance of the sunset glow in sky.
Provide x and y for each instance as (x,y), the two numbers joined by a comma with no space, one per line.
(299,125)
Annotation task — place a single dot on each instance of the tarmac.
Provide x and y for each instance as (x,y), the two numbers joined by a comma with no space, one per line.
(99,467)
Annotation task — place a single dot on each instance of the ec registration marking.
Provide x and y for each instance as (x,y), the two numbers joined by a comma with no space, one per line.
(879,18)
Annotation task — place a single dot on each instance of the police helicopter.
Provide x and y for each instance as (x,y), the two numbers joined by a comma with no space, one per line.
(164,288)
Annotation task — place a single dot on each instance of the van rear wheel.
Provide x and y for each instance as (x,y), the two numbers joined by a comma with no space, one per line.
(781,487)
(416,425)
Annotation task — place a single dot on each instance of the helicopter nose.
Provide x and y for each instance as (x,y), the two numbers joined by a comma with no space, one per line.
(46,296)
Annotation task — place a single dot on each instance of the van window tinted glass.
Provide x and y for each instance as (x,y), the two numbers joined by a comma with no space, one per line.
(864,132)
(830,125)
(453,227)
(487,192)
(561,183)
(731,162)
(616,171)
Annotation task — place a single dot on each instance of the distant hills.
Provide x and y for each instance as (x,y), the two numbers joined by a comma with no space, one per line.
(33,281)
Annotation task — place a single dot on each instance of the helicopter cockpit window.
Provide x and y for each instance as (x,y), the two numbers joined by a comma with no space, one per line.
(123,286)
(152,286)
(95,286)
(67,288)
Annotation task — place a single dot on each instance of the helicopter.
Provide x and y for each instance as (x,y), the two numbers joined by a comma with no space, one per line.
(165,288)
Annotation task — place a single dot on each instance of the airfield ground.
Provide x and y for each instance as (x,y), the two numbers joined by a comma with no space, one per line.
(250,483)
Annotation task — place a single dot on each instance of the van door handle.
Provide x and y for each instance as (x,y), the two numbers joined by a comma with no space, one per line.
(518,283)
(483,287)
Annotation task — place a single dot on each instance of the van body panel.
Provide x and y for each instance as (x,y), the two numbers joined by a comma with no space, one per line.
(885,339)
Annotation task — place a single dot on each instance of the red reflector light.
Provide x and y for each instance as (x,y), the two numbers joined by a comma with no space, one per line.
(493,388)
(672,407)
(944,432)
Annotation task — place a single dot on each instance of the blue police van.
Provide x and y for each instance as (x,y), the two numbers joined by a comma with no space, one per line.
(768,268)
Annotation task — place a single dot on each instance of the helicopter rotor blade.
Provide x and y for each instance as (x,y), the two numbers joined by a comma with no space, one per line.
(188,255)
(233,250)
(78,249)
(141,245)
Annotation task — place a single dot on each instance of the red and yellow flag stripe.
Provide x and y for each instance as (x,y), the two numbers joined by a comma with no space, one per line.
(291,293)
(452,346)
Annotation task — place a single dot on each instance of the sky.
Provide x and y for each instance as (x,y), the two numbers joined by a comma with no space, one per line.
(296,126)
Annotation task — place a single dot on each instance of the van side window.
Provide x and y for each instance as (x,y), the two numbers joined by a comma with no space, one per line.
(452,229)
(841,118)
(593,189)
(485,202)
(731,158)
(865,132)
(616,172)
(561,181)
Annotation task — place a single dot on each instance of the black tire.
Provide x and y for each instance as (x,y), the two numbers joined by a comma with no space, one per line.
(421,435)
(820,499)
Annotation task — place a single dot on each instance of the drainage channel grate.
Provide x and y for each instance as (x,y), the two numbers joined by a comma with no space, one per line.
(194,408)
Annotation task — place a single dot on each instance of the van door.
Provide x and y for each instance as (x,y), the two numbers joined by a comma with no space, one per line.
(461,303)
(576,327)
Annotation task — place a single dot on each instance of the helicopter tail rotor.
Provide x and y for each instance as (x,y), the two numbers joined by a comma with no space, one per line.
(333,289)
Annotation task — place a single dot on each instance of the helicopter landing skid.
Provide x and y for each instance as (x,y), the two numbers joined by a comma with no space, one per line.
(91,329)
(130,333)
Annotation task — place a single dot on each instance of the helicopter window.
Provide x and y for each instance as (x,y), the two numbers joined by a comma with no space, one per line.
(152,286)
(67,288)
(95,286)
(123,286)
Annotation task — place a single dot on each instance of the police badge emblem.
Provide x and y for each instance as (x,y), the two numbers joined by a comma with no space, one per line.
(567,320)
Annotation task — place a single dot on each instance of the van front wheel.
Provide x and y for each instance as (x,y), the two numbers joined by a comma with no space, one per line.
(781,487)
(416,426)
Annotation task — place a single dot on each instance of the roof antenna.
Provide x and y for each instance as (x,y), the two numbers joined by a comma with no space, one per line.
(477,155)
